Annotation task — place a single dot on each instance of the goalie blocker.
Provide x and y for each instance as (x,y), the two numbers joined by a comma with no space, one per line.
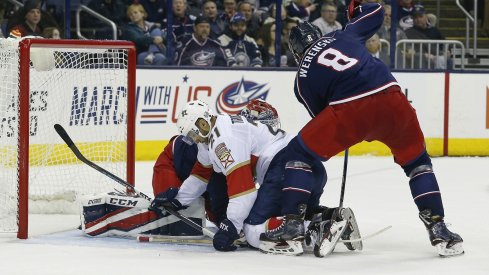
(116,214)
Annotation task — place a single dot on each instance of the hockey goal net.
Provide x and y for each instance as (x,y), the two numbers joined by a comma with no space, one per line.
(88,88)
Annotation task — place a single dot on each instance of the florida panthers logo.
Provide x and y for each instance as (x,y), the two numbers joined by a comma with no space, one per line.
(234,97)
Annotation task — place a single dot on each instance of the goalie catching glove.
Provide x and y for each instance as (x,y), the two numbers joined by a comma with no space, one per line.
(166,200)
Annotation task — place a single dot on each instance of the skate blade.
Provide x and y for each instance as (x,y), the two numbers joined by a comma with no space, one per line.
(328,242)
(454,250)
(288,248)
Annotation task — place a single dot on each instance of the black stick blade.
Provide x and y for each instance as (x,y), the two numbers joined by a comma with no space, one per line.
(62,133)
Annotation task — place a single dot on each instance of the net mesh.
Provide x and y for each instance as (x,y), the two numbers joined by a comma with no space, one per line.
(84,90)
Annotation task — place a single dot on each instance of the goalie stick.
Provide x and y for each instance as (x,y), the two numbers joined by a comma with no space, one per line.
(69,142)
(366,237)
(190,240)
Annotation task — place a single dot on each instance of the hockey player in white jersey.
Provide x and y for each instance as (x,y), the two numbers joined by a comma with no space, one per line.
(238,148)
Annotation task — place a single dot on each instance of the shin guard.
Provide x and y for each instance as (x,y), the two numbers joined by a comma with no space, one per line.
(297,186)
(426,193)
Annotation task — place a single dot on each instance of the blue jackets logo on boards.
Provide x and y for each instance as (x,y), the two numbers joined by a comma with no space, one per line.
(234,97)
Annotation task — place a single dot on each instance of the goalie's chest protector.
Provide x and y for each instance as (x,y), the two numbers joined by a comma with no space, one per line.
(235,142)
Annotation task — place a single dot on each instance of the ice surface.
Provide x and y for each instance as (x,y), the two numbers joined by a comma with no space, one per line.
(376,189)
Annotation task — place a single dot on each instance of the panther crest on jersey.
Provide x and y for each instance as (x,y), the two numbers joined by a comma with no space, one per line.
(224,155)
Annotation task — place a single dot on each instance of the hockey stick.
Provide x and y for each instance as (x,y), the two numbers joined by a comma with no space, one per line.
(368,236)
(64,135)
(343,179)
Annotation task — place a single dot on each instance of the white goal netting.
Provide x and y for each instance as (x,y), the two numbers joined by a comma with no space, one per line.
(85,89)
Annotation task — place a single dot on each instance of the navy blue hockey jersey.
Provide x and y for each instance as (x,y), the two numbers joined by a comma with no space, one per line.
(206,54)
(338,68)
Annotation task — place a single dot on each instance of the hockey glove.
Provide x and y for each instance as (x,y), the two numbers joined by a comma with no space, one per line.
(353,9)
(166,200)
(225,236)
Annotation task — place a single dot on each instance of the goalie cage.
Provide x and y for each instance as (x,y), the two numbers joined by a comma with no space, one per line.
(86,86)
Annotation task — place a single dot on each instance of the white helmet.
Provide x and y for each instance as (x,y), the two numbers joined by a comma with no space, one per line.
(187,119)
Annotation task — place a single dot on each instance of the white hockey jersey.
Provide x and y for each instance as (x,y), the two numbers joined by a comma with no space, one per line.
(242,150)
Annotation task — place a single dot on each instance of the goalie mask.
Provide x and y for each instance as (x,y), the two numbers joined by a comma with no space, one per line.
(301,37)
(259,110)
(187,121)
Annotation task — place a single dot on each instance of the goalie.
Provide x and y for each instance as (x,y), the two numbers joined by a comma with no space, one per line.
(119,214)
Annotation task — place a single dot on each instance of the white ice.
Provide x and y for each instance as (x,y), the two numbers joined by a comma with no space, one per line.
(376,190)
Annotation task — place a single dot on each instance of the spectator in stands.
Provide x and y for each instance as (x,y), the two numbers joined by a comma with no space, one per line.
(230,8)
(405,14)
(32,17)
(385,33)
(267,47)
(288,24)
(301,9)
(385,30)
(113,10)
(51,32)
(269,16)
(183,22)
(146,36)
(340,8)
(242,47)
(156,10)
(423,30)
(17,17)
(327,22)
(374,47)
(218,25)
(252,21)
(200,50)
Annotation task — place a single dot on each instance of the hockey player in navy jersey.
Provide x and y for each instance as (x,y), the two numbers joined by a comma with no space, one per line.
(351,97)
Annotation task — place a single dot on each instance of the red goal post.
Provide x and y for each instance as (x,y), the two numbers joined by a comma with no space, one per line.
(85,85)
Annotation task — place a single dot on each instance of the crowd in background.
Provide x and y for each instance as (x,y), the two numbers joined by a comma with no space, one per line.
(234,33)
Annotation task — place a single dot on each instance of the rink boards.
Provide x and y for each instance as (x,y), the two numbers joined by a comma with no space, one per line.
(452,107)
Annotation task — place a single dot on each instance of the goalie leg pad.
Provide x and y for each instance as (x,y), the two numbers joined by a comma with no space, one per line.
(115,214)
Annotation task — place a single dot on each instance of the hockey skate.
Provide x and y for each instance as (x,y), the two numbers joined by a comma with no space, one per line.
(324,235)
(352,232)
(287,238)
(446,242)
